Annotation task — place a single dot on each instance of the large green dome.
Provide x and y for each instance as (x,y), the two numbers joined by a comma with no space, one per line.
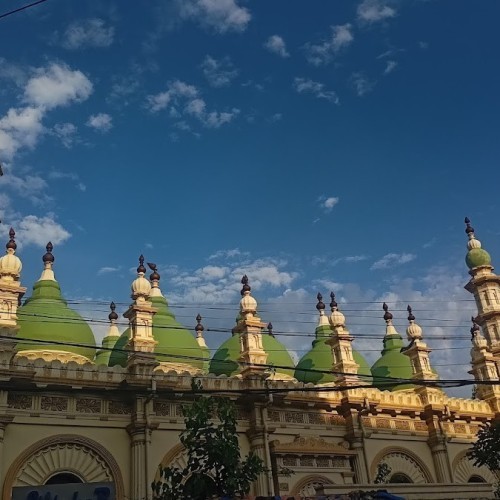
(175,343)
(320,358)
(225,360)
(477,257)
(393,364)
(45,316)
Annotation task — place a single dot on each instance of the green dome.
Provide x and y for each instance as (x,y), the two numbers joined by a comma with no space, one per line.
(103,355)
(175,343)
(225,360)
(393,363)
(45,316)
(320,357)
(477,257)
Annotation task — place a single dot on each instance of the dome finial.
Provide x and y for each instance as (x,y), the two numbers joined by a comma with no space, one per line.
(112,316)
(154,277)
(141,268)
(469,230)
(320,306)
(476,256)
(10,264)
(248,305)
(413,331)
(333,304)
(48,262)
(199,328)
(387,314)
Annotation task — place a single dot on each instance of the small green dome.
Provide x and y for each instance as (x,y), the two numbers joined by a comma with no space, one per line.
(393,364)
(477,257)
(103,355)
(45,316)
(320,357)
(225,360)
(175,343)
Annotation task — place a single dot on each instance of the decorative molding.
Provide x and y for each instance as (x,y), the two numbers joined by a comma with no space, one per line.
(52,355)
(119,408)
(53,403)
(63,453)
(402,461)
(463,469)
(310,444)
(87,405)
(19,401)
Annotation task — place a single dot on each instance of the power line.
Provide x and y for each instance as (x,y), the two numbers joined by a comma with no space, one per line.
(21,8)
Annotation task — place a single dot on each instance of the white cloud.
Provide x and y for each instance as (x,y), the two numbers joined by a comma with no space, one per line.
(390,67)
(58,175)
(361,84)
(57,85)
(107,270)
(219,73)
(393,259)
(182,99)
(88,33)
(227,254)
(30,186)
(33,230)
(223,16)
(66,133)
(214,272)
(349,259)
(20,128)
(276,45)
(308,86)
(373,11)
(324,52)
(101,122)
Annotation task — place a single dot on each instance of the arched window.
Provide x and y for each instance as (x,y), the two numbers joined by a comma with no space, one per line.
(63,478)
(200,487)
(400,478)
(476,479)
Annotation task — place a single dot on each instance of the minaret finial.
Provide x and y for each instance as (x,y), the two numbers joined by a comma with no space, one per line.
(413,331)
(112,316)
(141,287)
(11,244)
(48,262)
(333,303)
(141,268)
(387,314)
(154,277)
(246,287)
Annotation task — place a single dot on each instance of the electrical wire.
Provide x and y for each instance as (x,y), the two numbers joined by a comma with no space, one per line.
(24,7)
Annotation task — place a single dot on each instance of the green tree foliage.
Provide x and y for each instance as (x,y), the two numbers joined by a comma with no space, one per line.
(486,450)
(214,465)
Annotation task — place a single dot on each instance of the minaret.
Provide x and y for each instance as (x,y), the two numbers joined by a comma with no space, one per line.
(199,329)
(484,368)
(108,342)
(485,286)
(417,351)
(344,367)
(11,293)
(141,343)
(252,355)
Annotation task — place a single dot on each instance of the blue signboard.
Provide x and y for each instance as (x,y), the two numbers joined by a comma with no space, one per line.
(73,491)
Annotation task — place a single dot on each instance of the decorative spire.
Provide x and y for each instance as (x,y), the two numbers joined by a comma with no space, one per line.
(154,277)
(414,331)
(141,288)
(248,305)
(12,242)
(320,306)
(48,261)
(10,264)
(387,314)
(270,329)
(336,318)
(469,230)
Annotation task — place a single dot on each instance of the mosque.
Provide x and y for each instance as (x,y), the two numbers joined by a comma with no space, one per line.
(84,421)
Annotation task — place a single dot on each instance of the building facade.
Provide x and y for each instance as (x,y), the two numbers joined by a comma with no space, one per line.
(103,420)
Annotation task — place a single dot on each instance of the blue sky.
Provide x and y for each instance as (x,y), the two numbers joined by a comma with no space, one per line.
(312,146)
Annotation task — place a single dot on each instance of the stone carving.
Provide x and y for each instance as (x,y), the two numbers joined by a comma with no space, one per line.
(401,463)
(19,401)
(312,444)
(54,403)
(162,409)
(119,408)
(86,405)
(464,469)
